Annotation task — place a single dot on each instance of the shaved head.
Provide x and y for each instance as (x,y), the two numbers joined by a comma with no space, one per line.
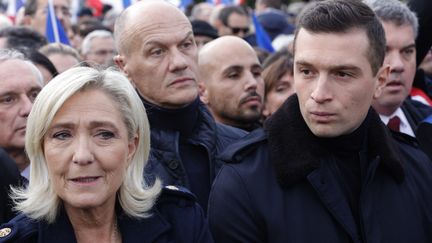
(230,81)
(216,52)
(157,52)
(142,17)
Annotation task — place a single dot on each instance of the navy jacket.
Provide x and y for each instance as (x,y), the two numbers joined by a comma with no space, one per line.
(207,136)
(416,112)
(175,218)
(9,176)
(279,186)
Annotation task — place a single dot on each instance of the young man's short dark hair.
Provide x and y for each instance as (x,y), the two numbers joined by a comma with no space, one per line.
(345,15)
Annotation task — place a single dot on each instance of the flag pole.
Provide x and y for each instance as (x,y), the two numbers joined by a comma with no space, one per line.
(53,20)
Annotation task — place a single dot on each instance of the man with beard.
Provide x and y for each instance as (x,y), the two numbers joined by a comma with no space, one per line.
(231,83)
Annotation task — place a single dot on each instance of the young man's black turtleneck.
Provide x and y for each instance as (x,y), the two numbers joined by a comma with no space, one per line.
(195,159)
(346,150)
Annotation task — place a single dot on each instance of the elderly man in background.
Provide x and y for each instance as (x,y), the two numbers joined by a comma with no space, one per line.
(162,64)
(98,48)
(231,82)
(20,83)
(396,109)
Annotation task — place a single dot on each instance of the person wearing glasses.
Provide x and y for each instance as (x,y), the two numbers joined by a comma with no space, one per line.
(233,20)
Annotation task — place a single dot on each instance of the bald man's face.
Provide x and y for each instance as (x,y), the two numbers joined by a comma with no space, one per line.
(162,55)
(233,86)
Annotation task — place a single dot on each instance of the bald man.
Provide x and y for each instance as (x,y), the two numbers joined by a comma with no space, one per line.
(157,51)
(231,82)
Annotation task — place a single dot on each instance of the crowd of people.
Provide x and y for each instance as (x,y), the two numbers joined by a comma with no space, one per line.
(154,125)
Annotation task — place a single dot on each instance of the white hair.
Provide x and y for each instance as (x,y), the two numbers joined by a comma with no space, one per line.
(136,197)
(86,44)
(12,54)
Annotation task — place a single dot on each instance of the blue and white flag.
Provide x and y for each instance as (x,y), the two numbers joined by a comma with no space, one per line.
(262,38)
(54,31)
(13,7)
(126,3)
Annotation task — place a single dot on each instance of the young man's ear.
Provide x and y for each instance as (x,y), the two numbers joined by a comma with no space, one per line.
(382,78)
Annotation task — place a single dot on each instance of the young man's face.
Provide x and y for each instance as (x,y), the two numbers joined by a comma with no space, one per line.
(334,81)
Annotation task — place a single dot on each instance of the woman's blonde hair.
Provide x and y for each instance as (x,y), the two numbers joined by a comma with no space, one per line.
(135,196)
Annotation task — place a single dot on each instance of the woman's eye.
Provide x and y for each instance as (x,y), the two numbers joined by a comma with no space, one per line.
(61,135)
(106,134)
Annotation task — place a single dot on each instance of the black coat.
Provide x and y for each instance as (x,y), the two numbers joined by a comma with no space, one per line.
(208,138)
(280,186)
(9,176)
(175,218)
(416,113)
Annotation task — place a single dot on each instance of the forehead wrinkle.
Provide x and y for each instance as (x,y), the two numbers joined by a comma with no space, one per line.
(134,33)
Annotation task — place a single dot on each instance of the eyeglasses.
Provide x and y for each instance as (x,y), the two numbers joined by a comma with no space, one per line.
(236,30)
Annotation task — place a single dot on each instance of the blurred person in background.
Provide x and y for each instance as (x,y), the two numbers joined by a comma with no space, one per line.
(278,79)
(98,47)
(62,56)
(202,11)
(36,12)
(203,32)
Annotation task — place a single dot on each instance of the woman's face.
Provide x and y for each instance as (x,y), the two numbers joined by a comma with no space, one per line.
(87,150)
(282,89)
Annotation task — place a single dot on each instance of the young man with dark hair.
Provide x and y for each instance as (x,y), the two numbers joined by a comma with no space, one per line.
(325,168)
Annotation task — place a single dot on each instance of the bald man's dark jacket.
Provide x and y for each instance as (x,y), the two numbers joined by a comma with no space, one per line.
(187,140)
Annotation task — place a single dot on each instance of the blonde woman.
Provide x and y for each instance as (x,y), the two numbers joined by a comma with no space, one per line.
(88,142)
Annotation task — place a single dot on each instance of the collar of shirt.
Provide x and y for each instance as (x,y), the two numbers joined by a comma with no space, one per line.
(404,124)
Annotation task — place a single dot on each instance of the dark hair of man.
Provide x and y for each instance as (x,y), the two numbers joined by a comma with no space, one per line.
(30,7)
(19,36)
(38,58)
(342,16)
(275,67)
(228,10)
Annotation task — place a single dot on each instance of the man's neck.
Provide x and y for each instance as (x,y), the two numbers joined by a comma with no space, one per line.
(386,110)
(19,156)
(181,119)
